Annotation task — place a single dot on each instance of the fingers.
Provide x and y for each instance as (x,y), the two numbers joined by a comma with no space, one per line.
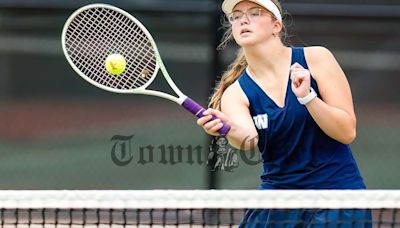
(301,80)
(296,82)
(212,121)
(213,126)
(203,120)
(296,66)
(297,70)
(216,113)
(298,75)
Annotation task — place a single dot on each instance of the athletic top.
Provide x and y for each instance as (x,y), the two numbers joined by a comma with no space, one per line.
(296,153)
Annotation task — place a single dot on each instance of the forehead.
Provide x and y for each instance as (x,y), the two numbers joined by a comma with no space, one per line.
(244,5)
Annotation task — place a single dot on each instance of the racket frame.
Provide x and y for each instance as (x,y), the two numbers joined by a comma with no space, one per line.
(159,63)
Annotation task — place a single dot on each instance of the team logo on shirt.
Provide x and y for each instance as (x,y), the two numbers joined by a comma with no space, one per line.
(261,121)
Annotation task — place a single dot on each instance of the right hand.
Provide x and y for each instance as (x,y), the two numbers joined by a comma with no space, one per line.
(212,127)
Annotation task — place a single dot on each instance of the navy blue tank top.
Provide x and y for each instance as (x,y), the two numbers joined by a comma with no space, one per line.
(296,153)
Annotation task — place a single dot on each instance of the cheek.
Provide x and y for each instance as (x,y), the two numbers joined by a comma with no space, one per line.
(265,33)
(235,32)
(264,29)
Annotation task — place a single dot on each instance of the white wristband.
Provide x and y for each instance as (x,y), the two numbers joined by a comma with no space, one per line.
(308,98)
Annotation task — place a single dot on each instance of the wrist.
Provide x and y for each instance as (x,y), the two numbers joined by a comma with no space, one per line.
(311,96)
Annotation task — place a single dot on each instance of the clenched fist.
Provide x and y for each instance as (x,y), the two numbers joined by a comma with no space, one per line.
(301,80)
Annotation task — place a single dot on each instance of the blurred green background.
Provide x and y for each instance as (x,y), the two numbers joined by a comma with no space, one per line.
(56,129)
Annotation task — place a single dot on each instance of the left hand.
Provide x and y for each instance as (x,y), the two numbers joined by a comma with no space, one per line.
(301,80)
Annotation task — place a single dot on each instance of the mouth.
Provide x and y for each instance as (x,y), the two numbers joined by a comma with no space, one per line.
(245,31)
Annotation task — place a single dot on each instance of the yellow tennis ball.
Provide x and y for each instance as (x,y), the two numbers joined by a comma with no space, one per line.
(115,64)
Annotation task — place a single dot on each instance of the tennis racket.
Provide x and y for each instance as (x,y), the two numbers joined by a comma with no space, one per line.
(95,31)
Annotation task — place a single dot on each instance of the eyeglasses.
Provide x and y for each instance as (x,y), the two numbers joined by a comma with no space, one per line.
(252,14)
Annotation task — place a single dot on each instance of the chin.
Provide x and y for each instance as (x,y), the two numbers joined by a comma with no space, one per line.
(246,42)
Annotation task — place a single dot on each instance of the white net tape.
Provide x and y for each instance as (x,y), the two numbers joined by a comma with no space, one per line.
(197,199)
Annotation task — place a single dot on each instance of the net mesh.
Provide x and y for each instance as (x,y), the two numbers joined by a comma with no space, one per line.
(212,208)
(98,32)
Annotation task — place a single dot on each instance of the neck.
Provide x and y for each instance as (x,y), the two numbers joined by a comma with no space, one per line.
(266,58)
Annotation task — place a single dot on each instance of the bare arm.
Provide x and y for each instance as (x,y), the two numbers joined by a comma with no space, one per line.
(235,112)
(334,113)
(235,104)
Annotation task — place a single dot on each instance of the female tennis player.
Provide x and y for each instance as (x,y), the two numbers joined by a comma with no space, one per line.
(296,104)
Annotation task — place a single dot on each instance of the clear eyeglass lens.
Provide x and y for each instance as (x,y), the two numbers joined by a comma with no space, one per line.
(252,14)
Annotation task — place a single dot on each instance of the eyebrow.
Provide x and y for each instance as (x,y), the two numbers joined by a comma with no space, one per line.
(255,7)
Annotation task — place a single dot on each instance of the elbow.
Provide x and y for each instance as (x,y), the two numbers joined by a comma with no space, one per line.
(349,137)
(349,134)
(247,143)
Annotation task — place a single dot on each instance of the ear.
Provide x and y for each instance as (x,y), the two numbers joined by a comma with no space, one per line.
(277,27)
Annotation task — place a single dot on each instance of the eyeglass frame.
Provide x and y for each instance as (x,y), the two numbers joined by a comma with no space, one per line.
(234,21)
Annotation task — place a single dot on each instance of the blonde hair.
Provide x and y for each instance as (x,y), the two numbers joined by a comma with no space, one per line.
(236,69)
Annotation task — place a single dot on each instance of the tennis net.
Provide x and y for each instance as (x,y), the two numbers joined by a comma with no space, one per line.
(200,208)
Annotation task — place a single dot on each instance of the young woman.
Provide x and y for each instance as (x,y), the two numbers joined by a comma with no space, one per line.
(296,104)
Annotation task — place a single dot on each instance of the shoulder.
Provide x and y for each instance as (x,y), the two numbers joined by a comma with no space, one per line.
(317,53)
(234,93)
(319,59)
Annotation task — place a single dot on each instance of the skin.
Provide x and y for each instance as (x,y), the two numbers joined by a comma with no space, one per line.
(269,63)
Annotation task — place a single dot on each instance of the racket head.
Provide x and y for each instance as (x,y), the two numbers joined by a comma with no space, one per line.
(94,32)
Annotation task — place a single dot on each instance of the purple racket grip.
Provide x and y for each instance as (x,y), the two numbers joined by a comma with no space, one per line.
(198,110)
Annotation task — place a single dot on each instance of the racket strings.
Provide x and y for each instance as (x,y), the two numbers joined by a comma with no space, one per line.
(144,64)
(114,82)
(87,47)
(141,43)
(80,58)
(145,52)
(111,81)
(84,62)
(98,32)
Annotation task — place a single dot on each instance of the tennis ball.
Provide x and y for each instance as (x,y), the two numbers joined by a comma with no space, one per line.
(115,64)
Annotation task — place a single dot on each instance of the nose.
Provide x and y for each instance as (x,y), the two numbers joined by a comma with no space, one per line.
(244,19)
